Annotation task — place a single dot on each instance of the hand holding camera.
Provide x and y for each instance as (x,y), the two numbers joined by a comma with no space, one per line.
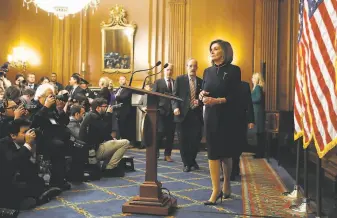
(30,136)
(50,100)
(19,112)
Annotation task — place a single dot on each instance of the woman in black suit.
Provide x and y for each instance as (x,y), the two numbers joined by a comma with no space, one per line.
(221,84)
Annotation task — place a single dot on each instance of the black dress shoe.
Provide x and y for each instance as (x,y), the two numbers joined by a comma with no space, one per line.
(63,186)
(186,169)
(8,213)
(196,166)
(115,172)
(49,194)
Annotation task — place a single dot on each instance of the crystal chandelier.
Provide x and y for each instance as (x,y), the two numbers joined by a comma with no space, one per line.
(62,8)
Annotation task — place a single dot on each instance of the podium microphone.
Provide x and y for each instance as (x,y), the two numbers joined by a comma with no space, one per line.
(166,65)
(157,64)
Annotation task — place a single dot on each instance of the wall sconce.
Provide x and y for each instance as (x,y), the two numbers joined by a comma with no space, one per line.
(18,59)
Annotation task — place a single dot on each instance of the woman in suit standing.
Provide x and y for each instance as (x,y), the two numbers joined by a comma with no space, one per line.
(259,113)
(220,90)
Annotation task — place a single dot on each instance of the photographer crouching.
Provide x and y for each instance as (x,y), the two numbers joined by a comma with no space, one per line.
(52,134)
(98,130)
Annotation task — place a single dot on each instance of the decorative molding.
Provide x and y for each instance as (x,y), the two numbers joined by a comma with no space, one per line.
(177,35)
(266,47)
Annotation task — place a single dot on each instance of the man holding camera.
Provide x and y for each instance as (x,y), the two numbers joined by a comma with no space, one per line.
(20,185)
(98,129)
(53,136)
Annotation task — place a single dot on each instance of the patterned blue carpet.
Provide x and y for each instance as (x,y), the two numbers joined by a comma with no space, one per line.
(105,198)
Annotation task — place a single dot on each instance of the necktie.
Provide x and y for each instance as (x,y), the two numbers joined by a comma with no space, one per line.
(169,85)
(192,91)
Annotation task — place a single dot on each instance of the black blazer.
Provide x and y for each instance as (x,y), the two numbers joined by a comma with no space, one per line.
(246,104)
(12,160)
(164,104)
(181,89)
(78,90)
(125,98)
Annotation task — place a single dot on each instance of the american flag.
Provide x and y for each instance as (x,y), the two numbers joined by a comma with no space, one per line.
(315,104)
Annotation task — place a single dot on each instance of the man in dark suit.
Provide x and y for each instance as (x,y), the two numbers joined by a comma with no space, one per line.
(53,79)
(31,81)
(88,93)
(126,114)
(76,89)
(165,123)
(16,158)
(188,114)
(246,121)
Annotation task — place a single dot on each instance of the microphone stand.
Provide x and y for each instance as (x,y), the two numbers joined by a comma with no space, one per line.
(157,64)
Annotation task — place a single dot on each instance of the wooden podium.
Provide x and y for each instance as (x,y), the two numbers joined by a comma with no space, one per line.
(151,199)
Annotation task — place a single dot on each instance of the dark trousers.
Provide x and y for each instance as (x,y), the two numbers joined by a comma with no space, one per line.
(165,129)
(28,184)
(55,150)
(127,126)
(79,159)
(261,144)
(189,137)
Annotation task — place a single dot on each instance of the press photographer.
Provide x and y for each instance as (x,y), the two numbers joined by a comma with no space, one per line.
(98,130)
(9,111)
(53,137)
(20,185)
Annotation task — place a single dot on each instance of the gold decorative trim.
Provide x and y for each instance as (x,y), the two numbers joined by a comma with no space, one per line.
(117,21)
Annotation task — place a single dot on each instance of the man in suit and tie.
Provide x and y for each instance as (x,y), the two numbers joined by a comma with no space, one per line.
(165,123)
(76,89)
(126,114)
(188,114)
(31,81)
(53,79)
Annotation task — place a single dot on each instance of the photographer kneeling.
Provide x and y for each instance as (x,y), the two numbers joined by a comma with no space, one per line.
(16,157)
(53,136)
(99,129)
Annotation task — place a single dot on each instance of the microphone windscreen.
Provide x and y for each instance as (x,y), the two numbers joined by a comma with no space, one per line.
(158,63)
(166,65)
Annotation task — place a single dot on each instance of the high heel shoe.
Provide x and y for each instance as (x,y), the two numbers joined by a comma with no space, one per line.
(226,196)
(217,198)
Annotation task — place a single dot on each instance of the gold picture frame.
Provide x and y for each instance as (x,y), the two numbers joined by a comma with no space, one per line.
(118,42)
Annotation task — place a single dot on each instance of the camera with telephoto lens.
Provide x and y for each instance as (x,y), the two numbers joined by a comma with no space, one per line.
(63,97)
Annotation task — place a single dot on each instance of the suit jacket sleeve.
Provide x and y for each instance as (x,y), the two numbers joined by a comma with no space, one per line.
(84,129)
(176,92)
(235,85)
(250,109)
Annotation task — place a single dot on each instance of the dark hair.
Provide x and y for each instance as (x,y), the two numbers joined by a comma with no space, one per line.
(75,109)
(226,48)
(15,125)
(77,78)
(17,76)
(43,78)
(98,102)
(53,73)
(12,93)
(29,92)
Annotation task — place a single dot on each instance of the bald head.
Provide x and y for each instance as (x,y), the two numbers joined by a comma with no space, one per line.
(192,67)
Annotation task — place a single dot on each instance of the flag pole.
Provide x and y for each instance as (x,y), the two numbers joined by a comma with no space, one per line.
(296,192)
(318,187)
(303,207)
